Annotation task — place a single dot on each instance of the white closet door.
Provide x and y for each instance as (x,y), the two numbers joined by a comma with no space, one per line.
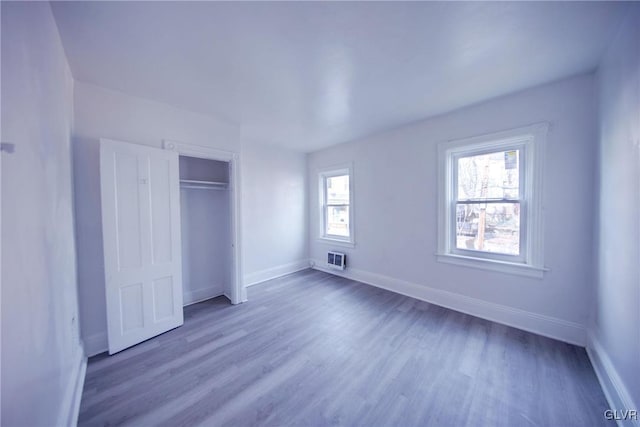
(141,233)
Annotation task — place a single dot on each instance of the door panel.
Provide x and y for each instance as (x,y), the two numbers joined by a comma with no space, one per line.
(160,177)
(127,201)
(141,233)
(131,307)
(163,298)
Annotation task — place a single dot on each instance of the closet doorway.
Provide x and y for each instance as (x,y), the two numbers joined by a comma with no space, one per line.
(209,212)
(205,216)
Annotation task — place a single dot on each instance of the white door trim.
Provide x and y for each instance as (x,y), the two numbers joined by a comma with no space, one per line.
(238,290)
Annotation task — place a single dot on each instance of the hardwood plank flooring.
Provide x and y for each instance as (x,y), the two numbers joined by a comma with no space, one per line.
(315,349)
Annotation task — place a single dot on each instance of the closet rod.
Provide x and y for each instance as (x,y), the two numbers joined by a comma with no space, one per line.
(203,185)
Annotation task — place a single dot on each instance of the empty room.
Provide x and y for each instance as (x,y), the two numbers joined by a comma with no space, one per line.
(320,213)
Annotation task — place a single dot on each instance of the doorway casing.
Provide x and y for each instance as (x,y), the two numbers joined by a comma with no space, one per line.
(238,293)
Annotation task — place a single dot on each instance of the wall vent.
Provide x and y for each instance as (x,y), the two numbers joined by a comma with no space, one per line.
(337,260)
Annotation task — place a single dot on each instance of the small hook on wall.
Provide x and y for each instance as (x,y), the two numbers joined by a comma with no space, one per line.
(7,147)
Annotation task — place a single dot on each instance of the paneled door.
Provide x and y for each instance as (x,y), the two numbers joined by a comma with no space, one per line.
(141,234)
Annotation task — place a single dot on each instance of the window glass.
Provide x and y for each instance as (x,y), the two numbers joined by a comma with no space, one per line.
(338,221)
(336,211)
(338,190)
(488,227)
(484,220)
(489,176)
(337,208)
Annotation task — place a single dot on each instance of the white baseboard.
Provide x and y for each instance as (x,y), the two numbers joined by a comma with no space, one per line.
(563,330)
(96,344)
(202,294)
(274,272)
(73,394)
(611,382)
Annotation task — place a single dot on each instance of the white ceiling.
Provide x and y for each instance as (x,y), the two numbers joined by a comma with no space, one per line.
(309,75)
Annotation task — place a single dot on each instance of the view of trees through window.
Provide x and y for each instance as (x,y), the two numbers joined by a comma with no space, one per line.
(488,202)
(337,216)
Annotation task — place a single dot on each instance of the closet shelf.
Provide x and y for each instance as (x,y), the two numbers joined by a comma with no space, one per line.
(203,185)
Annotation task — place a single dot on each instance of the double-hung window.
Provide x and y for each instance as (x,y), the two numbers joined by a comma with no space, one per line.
(336,216)
(490,201)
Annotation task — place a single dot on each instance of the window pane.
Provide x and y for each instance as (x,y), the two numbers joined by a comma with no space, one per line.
(338,190)
(493,176)
(338,220)
(488,227)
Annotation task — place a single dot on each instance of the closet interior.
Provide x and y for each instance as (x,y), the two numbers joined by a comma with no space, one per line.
(205,225)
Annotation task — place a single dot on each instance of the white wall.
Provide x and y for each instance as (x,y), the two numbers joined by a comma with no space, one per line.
(395,177)
(206,244)
(274,211)
(615,334)
(105,113)
(42,360)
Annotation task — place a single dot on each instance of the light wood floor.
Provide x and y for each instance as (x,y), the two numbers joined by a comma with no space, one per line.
(315,349)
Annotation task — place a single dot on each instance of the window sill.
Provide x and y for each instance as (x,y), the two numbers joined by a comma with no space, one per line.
(493,265)
(339,242)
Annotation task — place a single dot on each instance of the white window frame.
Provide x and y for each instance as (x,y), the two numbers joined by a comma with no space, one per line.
(323,175)
(531,141)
